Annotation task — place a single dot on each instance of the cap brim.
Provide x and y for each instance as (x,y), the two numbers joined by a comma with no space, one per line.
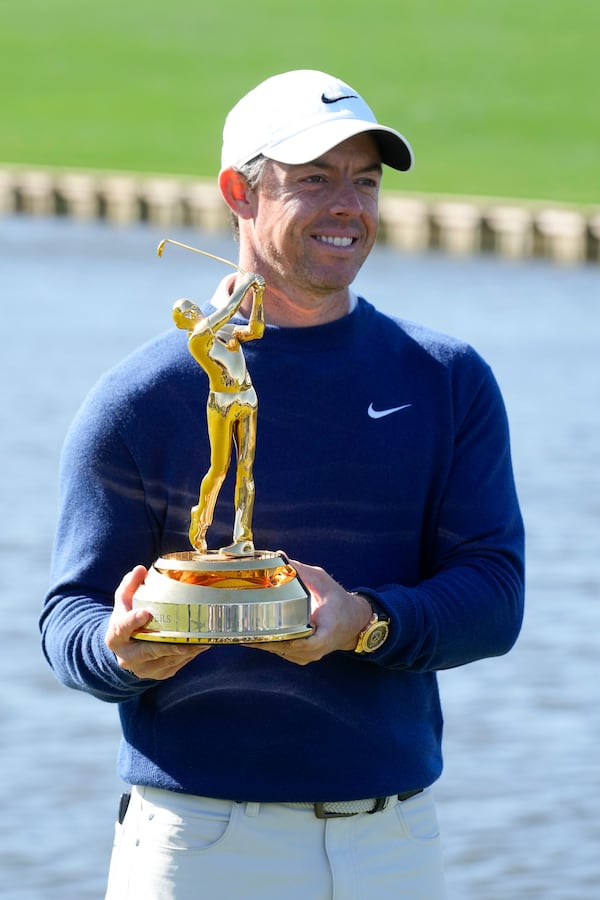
(302,148)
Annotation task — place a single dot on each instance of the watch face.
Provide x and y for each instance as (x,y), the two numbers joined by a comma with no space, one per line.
(376,637)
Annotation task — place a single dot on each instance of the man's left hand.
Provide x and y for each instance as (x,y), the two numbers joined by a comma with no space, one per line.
(336,618)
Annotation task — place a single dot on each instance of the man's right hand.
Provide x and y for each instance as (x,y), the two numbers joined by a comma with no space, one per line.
(146,659)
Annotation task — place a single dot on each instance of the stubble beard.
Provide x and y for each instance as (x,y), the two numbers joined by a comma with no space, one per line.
(307,279)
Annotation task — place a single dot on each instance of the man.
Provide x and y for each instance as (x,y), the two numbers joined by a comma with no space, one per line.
(297,769)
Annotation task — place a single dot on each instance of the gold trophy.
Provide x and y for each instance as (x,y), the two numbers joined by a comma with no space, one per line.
(235,594)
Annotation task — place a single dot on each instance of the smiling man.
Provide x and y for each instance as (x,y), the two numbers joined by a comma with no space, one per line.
(310,227)
(297,769)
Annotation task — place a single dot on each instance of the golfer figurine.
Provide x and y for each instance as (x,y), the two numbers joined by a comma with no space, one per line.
(216,344)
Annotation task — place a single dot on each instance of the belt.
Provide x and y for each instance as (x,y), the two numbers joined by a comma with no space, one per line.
(343,808)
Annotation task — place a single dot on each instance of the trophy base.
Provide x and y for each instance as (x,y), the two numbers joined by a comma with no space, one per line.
(213,598)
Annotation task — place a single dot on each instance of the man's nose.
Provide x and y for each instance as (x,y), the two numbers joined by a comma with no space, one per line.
(347,199)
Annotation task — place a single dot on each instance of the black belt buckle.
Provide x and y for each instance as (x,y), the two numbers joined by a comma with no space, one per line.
(380,803)
(322,813)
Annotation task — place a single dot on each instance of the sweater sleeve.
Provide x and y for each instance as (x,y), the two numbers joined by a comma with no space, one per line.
(104,529)
(468,605)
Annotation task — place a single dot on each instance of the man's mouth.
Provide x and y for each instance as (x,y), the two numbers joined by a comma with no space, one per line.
(334,241)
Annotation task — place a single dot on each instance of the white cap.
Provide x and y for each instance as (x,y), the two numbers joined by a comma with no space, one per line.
(297,116)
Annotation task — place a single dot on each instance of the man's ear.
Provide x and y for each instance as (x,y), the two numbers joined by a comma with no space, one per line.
(235,191)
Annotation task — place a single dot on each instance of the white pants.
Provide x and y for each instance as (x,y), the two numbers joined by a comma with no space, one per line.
(180,847)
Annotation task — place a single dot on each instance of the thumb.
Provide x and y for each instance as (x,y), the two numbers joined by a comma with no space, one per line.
(127,588)
(124,621)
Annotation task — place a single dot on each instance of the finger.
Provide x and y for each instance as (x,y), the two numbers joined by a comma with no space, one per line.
(124,620)
(306,572)
(163,666)
(128,586)
(123,626)
(300,650)
(314,579)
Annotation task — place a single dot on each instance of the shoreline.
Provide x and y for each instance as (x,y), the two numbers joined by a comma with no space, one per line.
(458,225)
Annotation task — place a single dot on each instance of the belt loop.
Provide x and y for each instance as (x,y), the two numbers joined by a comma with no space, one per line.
(252,809)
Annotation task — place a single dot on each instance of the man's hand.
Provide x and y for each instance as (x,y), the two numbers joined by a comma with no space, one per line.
(337,617)
(146,659)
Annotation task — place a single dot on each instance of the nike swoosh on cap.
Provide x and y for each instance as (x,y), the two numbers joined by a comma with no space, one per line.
(381,413)
(337,98)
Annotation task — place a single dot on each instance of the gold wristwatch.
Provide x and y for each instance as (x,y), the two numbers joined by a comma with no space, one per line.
(373,635)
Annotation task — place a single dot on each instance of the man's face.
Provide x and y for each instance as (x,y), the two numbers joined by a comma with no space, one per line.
(314,225)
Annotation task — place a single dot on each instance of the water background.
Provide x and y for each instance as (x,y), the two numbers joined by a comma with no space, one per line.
(518,801)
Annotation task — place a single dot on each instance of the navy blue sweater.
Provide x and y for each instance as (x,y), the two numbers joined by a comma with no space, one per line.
(416,508)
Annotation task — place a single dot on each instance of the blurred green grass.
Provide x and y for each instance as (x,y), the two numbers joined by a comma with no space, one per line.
(498,99)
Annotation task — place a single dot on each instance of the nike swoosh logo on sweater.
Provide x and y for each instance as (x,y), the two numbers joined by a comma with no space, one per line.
(381,413)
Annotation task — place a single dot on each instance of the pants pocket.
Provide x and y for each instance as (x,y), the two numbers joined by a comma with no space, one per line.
(418,818)
(181,825)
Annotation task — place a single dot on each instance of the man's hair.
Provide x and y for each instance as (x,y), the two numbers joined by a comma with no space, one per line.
(252,172)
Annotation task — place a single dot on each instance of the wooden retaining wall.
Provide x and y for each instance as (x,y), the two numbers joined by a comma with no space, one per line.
(410,222)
